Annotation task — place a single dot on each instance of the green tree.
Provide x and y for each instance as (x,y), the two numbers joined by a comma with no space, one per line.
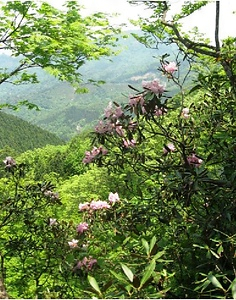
(160,28)
(59,41)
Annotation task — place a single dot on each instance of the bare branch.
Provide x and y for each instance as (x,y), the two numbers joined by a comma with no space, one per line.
(217,26)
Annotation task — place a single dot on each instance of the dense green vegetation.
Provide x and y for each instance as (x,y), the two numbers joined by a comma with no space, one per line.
(20,135)
(143,204)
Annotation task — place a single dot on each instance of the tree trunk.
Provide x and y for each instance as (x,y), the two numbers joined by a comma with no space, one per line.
(3,293)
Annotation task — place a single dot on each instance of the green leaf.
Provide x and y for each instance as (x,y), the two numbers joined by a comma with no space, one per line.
(128,272)
(148,273)
(215,254)
(159,254)
(146,246)
(94,284)
(119,277)
(152,243)
(233,288)
(215,281)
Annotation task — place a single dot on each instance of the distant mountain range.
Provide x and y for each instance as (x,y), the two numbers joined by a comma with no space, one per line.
(65,113)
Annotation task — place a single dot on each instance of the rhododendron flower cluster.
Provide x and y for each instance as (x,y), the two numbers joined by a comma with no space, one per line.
(94,205)
(52,222)
(99,204)
(82,227)
(111,123)
(155,86)
(171,148)
(134,101)
(113,197)
(9,162)
(128,143)
(119,130)
(113,113)
(170,68)
(51,194)
(194,160)
(90,156)
(160,111)
(103,127)
(73,243)
(185,113)
(84,206)
(86,263)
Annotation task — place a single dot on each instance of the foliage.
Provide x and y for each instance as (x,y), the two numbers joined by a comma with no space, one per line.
(22,136)
(59,41)
(159,28)
(190,172)
(156,212)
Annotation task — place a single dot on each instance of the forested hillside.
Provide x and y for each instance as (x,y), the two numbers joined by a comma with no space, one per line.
(62,110)
(20,135)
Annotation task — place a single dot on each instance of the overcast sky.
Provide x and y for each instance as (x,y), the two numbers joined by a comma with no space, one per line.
(204,19)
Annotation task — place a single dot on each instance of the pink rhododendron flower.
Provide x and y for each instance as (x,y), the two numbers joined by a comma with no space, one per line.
(73,243)
(9,162)
(103,150)
(143,110)
(170,68)
(135,100)
(102,127)
(119,130)
(128,144)
(132,125)
(171,148)
(185,113)
(118,112)
(52,222)
(160,111)
(91,263)
(155,86)
(90,156)
(53,195)
(99,204)
(113,197)
(84,206)
(86,263)
(113,113)
(82,227)
(108,110)
(194,160)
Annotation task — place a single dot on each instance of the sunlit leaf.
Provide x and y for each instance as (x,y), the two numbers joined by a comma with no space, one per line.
(128,272)
(215,281)
(94,284)
(148,272)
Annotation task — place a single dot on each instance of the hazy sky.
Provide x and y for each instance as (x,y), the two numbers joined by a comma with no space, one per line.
(204,19)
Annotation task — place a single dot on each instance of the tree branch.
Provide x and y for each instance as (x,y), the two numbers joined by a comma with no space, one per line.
(217,27)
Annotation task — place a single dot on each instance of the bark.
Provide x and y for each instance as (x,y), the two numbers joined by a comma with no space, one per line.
(3,292)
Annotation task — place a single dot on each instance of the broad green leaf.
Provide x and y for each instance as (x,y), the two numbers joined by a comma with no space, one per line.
(128,272)
(148,272)
(94,284)
(159,254)
(215,281)
(119,277)
(146,246)
(152,243)
(233,288)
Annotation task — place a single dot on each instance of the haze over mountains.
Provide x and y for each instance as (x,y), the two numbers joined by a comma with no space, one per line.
(65,113)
